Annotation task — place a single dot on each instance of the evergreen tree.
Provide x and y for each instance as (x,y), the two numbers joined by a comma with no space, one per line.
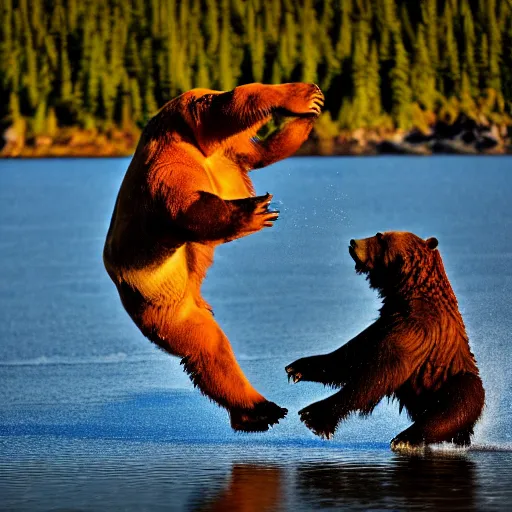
(423,80)
(451,55)
(344,46)
(309,51)
(494,81)
(288,47)
(431,23)
(360,74)
(111,61)
(470,64)
(226,80)
(400,83)
(373,85)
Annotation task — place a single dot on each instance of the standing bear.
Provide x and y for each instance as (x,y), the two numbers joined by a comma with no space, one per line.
(417,351)
(187,190)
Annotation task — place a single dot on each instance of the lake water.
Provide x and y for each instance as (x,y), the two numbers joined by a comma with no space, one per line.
(93,417)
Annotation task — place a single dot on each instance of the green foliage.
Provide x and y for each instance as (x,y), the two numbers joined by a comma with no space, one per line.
(401,90)
(109,63)
(423,78)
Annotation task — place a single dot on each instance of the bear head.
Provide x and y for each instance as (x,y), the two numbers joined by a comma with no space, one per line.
(388,259)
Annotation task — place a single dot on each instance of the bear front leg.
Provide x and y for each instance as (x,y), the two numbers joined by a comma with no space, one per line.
(337,367)
(321,368)
(372,379)
(451,417)
(212,219)
(229,113)
(278,146)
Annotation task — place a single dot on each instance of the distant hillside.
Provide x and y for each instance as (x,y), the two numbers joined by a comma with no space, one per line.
(105,66)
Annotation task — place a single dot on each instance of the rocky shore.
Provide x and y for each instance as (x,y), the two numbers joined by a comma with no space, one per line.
(465,136)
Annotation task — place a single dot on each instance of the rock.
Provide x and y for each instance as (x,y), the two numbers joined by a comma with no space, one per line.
(388,147)
(469,137)
(418,137)
(486,143)
(455,147)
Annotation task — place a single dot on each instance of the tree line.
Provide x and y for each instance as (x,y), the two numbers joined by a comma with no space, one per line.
(103,63)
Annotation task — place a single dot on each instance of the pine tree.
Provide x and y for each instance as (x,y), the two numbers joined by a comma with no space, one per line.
(431,21)
(29,67)
(288,47)
(483,63)
(400,83)
(226,80)
(494,81)
(309,51)
(360,73)
(451,54)
(388,24)
(344,46)
(373,85)
(328,56)
(66,86)
(468,28)
(258,54)
(423,79)
(212,26)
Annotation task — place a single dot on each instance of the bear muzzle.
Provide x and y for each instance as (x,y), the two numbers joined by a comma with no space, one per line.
(357,251)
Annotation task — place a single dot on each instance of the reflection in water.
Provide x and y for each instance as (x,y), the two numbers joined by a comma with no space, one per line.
(251,488)
(405,483)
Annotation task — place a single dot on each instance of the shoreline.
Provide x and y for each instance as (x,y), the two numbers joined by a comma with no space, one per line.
(463,137)
(309,149)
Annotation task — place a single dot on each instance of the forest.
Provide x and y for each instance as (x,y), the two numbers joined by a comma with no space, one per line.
(107,65)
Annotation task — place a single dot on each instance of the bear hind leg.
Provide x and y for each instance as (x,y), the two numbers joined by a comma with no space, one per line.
(456,408)
(207,357)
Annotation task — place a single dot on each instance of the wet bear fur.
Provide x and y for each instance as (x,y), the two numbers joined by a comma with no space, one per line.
(417,351)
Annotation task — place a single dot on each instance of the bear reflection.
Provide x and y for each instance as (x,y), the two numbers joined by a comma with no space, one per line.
(251,488)
(405,483)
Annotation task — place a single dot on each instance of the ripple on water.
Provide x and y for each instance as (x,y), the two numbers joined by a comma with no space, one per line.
(40,473)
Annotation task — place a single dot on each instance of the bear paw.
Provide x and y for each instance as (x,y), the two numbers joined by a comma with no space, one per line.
(258,419)
(304,99)
(407,441)
(257,214)
(320,419)
(306,368)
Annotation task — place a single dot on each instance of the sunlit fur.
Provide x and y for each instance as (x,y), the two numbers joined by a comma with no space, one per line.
(187,190)
(416,352)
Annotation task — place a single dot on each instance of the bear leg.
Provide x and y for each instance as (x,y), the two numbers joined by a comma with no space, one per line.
(314,369)
(278,146)
(209,360)
(455,409)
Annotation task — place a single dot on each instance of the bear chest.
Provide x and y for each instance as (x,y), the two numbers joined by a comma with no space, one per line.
(228,181)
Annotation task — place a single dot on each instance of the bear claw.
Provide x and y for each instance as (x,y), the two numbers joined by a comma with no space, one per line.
(318,421)
(258,419)
(293,375)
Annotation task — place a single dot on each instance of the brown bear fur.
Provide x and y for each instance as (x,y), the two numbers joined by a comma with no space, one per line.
(417,351)
(187,190)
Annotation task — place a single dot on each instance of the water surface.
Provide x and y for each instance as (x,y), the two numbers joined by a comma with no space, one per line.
(92,416)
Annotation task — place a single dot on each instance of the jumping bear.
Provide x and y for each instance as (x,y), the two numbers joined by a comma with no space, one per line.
(417,351)
(187,190)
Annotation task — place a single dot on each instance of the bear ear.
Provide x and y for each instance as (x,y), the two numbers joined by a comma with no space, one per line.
(432,242)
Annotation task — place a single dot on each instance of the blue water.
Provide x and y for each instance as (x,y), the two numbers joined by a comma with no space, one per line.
(93,417)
